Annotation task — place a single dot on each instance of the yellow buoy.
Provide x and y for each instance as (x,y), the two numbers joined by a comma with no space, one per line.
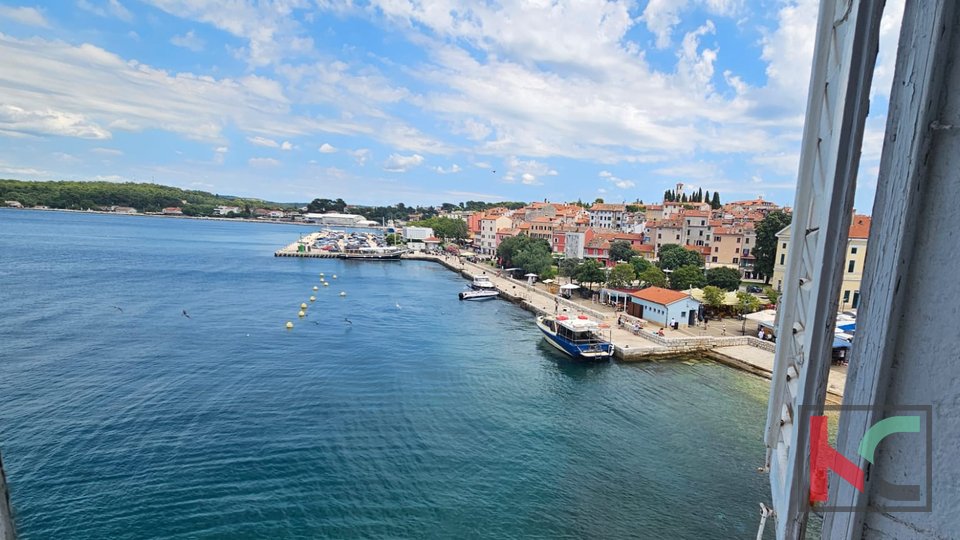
(325,284)
(334,276)
(313,298)
(316,288)
(302,314)
(321,274)
(303,305)
(289,325)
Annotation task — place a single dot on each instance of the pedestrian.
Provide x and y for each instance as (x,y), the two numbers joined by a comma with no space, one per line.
(760,333)
(673,323)
(723,330)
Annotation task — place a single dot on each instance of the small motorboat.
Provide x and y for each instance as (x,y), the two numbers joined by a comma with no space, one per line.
(482,294)
(482,283)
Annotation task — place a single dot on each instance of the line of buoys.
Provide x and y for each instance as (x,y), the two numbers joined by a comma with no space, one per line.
(303,305)
(342,293)
(289,325)
(313,298)
(334,276)
(315,288)
(301,314)
(325,284)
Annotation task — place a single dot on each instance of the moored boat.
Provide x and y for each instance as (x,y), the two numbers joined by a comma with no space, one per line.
(577,337)
(482,282)
(484,294)
(376,253)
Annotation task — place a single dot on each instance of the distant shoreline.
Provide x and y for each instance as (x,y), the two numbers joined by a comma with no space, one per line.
(139,214)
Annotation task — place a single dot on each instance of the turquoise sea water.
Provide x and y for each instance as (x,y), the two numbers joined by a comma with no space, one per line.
(426,417)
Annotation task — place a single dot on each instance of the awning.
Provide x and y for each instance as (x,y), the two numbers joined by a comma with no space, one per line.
(841,343)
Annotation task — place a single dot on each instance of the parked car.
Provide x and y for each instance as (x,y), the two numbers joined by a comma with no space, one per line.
(754,289)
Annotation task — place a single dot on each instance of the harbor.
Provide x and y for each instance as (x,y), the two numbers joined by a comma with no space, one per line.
(630,344)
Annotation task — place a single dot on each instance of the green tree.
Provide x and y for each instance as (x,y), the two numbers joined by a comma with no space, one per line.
(567,267)
(598,200)
(444,227)
(715,203)
(590,272)
(653,277)
(640,264)
(674,256)
(621,250)
(765,249)
(713,296)
(686,277)
(747,303)
(320,206)
(772,294)
(393,239)
(621,275)
(726,278)
(534,258)
(510,249)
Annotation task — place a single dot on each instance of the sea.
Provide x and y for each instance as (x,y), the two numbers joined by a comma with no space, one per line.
(150,389)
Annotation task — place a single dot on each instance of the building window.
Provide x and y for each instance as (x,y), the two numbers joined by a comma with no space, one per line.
(702,223)
(738,239)
(716,238)
(846,296)
(746,240)
(783,257)
(853,250)
(735,260)
(784,246)
(850,266)
(714,259)
(716,249)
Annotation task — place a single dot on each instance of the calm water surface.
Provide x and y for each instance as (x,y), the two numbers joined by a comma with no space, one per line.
(426,417)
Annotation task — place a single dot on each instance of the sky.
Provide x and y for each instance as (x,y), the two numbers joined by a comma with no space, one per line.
(387,101)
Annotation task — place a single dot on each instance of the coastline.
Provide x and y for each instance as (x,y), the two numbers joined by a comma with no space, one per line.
(167,216)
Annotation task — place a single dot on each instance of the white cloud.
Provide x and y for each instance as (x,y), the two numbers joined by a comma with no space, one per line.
(327,148)
(47,121)
(452,170)
(188,41)
(287,145)
(360,155)
(24,15)
(107,90)
(107,151)
(263,141)
(263,162)
(619,182)
(527,171)
(110,8)
(220,154)
(399,163)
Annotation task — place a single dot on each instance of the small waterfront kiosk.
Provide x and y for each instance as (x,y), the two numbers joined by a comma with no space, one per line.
(661,305)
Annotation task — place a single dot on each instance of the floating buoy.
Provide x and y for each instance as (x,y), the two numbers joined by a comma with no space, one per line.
(316,288)
(289,325)
(325,284)
(321,274)
(334,276)
(313,298)
(303,305)
(342,293)
(301,314)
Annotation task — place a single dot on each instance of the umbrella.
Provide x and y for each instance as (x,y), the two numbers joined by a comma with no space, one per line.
(569,286)
(530,275)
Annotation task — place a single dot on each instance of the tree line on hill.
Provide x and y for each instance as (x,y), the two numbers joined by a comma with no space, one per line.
(142,196)
(696,197)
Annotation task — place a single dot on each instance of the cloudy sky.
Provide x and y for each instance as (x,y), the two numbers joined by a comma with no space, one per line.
(418,101)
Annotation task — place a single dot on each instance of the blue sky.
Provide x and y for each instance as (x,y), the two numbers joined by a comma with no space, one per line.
(421,102)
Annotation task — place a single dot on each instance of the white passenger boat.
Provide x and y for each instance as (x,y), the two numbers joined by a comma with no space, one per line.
(577,337)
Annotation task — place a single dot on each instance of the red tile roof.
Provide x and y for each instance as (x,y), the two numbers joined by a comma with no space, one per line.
(658,295)
(860,227)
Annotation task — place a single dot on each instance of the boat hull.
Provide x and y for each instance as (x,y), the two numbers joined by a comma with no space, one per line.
(475,297)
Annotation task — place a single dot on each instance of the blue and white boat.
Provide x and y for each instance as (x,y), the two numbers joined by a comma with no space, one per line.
(577,337)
